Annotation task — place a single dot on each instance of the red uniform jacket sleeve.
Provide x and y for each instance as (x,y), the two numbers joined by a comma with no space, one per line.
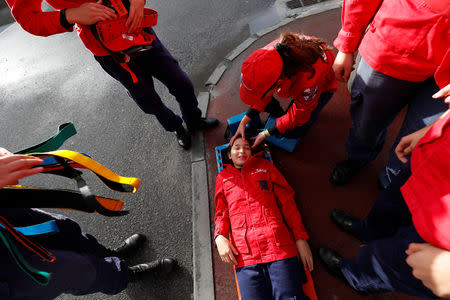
(356,15)
(29,15)
(442,75)
(221,217)
(285,198)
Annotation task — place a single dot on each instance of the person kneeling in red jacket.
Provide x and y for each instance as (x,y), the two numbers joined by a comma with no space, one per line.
(255,206)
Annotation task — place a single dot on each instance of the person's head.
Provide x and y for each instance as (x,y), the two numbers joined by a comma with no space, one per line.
(240,152)
(299,52)
(263,69)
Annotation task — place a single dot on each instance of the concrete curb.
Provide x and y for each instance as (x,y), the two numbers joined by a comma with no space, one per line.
(201,233)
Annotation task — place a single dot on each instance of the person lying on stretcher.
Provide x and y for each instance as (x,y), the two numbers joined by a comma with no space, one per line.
(255,207)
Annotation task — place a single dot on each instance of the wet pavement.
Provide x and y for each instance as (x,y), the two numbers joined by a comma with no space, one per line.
(307,169)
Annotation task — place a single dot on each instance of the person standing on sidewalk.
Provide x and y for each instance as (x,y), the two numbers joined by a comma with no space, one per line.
(82,266)
(293,66)
(155,63)
(406,234)
(255,206)
(407,43)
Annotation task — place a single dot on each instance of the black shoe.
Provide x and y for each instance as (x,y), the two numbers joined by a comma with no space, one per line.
(332,262)
(128,247)
(204,124)
(161,267)
(183,138)
(345,170)
(344,220)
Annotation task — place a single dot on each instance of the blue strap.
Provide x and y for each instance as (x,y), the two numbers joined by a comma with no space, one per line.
(43,228)
(41,277)
(52,161)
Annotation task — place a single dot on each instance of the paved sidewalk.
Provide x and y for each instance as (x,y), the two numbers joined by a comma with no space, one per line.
(308,168)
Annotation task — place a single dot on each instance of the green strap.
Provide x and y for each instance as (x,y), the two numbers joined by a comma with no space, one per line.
(41,277)
(65,131)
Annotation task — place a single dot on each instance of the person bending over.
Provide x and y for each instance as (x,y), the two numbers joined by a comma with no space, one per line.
(294,66)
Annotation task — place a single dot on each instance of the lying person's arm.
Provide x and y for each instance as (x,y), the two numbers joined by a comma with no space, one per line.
(225,248)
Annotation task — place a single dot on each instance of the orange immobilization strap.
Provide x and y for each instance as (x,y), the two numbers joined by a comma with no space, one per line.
(119,7)
(237,285)
(308,287)
(133,76)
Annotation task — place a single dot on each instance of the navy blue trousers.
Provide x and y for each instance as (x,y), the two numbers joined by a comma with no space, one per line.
(160,64)
(277,280)
(80,267)
(388,230)
(376,99)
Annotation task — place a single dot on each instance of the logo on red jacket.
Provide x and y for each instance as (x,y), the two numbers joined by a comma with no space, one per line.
(310,93)
(324,57)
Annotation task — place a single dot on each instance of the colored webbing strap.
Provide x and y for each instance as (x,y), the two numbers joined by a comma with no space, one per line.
(65,131)
(26,197)
(37,229)
(108,177)
(25,241)
(41,277)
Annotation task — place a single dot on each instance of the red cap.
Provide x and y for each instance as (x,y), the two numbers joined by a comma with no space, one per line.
(258,73)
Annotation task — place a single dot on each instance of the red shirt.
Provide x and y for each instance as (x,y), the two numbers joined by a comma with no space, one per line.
(407,39)
(427,191)
(254,206)
(305,89)
(29,14)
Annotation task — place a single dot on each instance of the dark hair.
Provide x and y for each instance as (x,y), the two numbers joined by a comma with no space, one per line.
(299,52)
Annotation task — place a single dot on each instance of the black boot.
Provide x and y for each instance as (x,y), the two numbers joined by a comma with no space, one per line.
(345,170)
(332,262)
(183,138)
(344,220)
(128,247)
(204,124)
(160,267)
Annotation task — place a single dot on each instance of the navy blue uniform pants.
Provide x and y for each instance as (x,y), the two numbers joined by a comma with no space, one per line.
(300,131)
(80,267)
(376,99)
(277,280)
(388,230)
(160,64)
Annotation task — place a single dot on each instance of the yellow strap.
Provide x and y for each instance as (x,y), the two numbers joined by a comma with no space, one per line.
(93,166)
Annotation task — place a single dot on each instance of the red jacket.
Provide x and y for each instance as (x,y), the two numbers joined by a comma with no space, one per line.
(427,191)
(256,206)
(408,39)
(29,14)
(304,89)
